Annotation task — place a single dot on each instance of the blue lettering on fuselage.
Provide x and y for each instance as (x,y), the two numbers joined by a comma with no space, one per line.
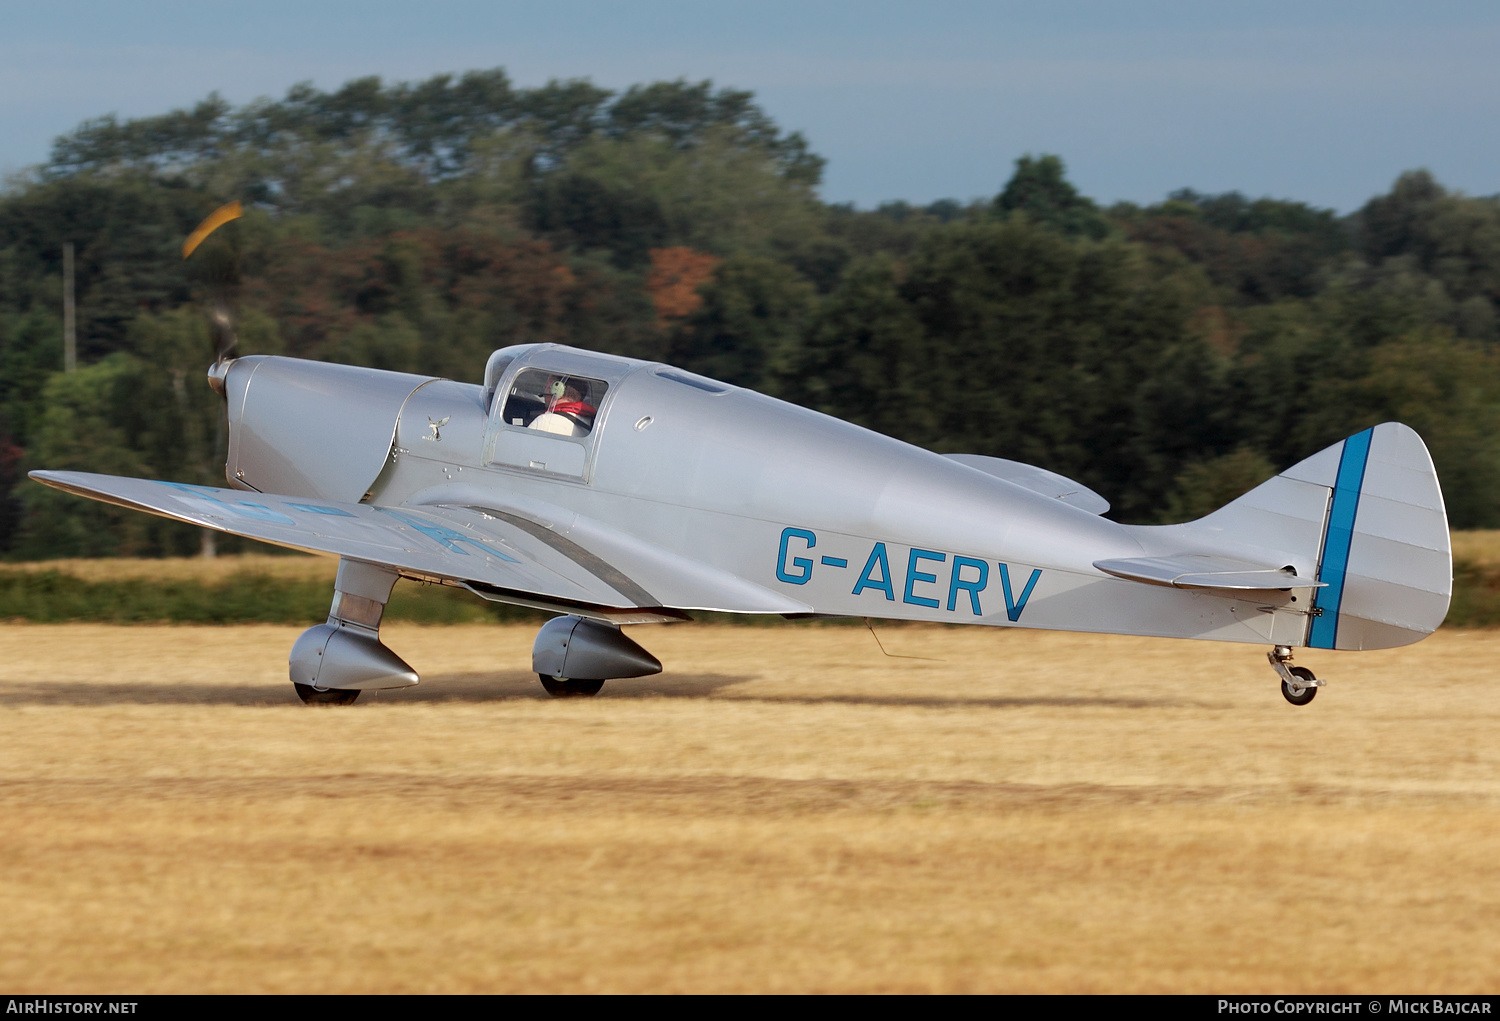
(1013,607)
(968,577)
(973,586)
(913,576)
(800,563)
(868,580)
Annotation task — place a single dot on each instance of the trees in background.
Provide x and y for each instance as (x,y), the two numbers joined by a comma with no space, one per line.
(1169,356)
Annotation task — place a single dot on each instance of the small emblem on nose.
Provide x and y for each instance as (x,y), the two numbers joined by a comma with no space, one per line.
(435,426)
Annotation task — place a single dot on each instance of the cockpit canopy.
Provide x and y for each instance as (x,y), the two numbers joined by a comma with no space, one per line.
(549,388)
(554,402)
(547,404)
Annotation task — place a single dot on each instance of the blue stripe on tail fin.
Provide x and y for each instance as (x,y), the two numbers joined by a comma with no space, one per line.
(1338,535)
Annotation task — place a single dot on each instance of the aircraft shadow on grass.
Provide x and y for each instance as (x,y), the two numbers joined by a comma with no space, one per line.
(457,687)
(479,687)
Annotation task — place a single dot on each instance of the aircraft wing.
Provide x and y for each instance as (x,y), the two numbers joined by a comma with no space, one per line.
(502,558)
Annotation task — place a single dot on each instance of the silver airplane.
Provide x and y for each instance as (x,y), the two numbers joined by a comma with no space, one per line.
(613,491)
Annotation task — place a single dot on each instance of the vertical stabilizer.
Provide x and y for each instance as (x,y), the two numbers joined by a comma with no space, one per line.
(1367,516)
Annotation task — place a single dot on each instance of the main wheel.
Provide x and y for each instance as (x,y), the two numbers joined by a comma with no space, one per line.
(325,696)
(1307,694)
(563,687)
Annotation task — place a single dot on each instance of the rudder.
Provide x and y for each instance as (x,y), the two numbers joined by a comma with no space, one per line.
(1386,554)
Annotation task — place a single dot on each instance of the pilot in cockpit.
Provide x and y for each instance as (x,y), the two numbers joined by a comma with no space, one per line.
(568,411)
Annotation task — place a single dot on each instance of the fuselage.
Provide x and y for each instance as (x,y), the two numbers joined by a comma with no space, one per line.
(809,514)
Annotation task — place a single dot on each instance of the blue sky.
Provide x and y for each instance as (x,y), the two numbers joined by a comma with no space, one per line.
(1320,101)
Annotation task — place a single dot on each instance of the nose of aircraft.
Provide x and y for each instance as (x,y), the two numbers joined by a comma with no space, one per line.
(217,372)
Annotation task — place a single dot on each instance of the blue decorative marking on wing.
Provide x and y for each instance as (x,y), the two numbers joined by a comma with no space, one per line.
(259,512)
(445,536)
(239,508)
(315,509)
(1324,633)
(187,487)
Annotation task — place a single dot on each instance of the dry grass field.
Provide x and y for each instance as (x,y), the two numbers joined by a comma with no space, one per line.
(785,809)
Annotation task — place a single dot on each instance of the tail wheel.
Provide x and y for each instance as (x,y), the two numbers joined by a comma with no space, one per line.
(564,687)
(325,696)
(1304,696)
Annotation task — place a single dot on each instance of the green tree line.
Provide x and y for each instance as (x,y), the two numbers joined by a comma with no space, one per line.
(1170,355)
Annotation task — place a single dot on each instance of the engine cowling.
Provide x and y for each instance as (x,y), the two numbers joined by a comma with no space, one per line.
(311,429)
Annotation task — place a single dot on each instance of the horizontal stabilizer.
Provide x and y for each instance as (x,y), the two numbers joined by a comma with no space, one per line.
(1038,480)
(1195,570)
